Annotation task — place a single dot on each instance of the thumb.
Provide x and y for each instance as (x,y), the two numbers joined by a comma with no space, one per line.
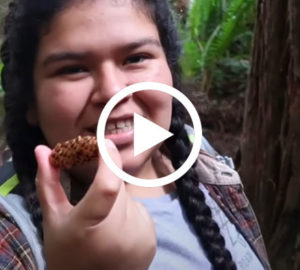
(103,192)
(50,191)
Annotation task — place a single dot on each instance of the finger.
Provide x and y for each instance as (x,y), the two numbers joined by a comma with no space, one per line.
(143,212)
(102,194)
(50,191)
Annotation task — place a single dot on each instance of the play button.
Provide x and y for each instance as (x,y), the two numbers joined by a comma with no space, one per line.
(147,134)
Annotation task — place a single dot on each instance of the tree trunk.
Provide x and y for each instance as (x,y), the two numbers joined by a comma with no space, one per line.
(270,165)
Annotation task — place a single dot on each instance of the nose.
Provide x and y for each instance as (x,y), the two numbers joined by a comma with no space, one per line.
(109,80)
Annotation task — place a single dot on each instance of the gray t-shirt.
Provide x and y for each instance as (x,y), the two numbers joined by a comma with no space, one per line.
(177,244)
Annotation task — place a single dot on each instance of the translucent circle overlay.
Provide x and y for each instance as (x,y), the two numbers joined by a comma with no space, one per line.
(149,86)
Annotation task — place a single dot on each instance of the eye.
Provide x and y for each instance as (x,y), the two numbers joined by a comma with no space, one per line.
(71,70)
(136,59)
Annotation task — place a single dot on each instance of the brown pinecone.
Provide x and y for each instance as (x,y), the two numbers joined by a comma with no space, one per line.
(74,152)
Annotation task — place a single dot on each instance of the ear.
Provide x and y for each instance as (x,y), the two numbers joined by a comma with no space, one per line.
(31,116)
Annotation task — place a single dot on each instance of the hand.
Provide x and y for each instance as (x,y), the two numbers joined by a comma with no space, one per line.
(106,230)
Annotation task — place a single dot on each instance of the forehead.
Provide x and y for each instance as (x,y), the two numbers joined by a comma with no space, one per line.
(103,8)
(98,23)
(103,13)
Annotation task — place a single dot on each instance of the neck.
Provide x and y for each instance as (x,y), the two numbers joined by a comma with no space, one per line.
(159,166)
(149,192)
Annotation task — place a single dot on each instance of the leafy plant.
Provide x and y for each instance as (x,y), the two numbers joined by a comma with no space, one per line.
(210,30)
(229,77)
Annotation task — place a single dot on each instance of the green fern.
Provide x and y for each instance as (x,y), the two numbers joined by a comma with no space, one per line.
(190,63)
(228,28)
(196,26)
(210,29)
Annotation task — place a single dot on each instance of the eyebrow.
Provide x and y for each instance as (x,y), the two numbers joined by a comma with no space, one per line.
(143,42)
(62,56)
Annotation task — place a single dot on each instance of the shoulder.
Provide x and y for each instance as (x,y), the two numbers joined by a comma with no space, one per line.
(212,167)
(15,251)
(26,237)
(212,171)
(225,187)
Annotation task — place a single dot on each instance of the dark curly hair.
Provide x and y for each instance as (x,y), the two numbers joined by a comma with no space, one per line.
(23,29)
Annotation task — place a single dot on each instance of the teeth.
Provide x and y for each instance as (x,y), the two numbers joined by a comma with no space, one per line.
(110,126)
(128,123)
(120,124)
(118,127)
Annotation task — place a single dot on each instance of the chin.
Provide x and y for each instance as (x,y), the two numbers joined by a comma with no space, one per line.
(137,166)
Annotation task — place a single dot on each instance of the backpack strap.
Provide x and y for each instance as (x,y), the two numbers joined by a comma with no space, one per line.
(8,178)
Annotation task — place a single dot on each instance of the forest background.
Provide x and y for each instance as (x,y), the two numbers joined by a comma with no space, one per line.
(241,68)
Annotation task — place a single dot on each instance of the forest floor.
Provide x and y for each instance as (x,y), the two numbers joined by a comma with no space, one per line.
(222,121)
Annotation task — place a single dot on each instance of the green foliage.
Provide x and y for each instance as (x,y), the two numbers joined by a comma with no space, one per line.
(213,30)
(229,77)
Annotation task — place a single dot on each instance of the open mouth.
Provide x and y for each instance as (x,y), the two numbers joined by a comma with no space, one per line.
(115,126)
(119,126)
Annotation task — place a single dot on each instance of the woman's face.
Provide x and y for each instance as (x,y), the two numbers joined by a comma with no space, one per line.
(91,51)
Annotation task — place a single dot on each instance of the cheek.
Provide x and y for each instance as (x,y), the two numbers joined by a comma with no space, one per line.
(58,112)
(56,121)
(158,106)
(162,74)
(158,71)
(62,97)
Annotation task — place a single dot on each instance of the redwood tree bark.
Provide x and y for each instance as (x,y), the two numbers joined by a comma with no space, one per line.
(270,165)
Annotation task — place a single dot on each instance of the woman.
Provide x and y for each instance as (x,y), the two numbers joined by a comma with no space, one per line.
(63,61)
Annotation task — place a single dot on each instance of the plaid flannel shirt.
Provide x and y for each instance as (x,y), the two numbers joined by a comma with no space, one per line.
(225,187)
(15,252)
(222,182)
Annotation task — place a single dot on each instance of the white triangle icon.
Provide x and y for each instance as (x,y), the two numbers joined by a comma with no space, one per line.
(147,134)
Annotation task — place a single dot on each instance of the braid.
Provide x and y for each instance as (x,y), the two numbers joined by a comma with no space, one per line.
(193,199)
(21,137)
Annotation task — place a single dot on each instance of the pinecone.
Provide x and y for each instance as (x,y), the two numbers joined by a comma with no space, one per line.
(74,152)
